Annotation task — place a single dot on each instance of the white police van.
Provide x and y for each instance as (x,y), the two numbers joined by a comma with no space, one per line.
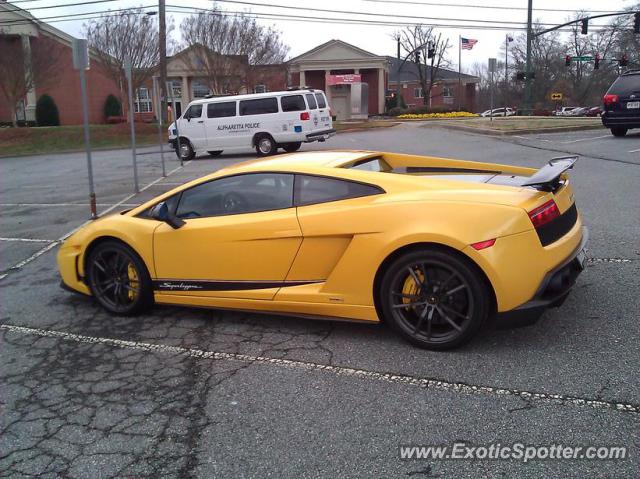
(264,121)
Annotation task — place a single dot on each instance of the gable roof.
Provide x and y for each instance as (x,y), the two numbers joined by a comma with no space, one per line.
(347,47)
(410,72)
(24,18)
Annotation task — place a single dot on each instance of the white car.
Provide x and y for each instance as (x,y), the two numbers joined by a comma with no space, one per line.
(264,121)
(499,112)
(564,111)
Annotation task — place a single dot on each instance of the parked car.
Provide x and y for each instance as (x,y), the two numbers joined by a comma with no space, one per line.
(578,111)
(594,111)
(622,104)
(564,111)
(264,121)
(499,112)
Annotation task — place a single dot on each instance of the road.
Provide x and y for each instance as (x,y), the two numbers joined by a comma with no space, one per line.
(201,393)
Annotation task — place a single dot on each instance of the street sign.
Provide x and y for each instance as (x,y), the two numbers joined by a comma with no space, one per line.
(583,58)
(556,96)
(492,65)
(80,53)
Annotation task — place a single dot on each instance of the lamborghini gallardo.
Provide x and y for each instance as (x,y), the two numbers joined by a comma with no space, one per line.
(432,247)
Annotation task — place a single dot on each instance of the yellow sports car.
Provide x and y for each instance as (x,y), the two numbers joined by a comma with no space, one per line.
(431,246)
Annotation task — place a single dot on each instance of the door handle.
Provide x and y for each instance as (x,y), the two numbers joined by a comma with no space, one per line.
(200,121)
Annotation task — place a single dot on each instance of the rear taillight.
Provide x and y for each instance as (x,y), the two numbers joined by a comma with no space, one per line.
(305,115)
(610,99)
(543,214)
(483,244)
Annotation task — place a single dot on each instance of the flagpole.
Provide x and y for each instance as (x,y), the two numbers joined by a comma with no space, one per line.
(459,71)
(506,71)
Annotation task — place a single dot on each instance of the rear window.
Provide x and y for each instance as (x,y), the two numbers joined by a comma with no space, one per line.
(625,85)
(221,110)
(321,102)
(260,106)
(311,100)
(293,103)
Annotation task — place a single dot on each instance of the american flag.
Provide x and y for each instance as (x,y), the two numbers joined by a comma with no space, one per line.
(467,43)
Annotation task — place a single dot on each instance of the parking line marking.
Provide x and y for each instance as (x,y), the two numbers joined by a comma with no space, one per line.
(634,151)
(50,246)
(586,139)
(28,240)
(423,382)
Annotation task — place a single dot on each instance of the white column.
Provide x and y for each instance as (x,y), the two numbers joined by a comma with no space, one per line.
(380,91)
(327,87)
(30,105)
(303,80)
(356,71)
(186,95)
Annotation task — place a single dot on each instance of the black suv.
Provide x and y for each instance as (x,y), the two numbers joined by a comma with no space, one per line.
(622,104)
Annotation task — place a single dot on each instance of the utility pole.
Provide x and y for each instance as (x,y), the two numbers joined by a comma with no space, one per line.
(163,61)
(398,91)
(527,77)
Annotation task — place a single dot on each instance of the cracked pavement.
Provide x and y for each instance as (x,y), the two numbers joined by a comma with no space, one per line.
(178,392)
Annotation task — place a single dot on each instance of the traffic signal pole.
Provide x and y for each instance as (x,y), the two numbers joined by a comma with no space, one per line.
(527,77)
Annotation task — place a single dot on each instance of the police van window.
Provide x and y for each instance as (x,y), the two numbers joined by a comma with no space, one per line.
(311,190)
(221,110)
(259,106)
(321,102)
(311,100)
(293,103)
(194,111)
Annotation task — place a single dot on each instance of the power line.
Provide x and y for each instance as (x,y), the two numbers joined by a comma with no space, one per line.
(69,16)
(55,6)
(493,7)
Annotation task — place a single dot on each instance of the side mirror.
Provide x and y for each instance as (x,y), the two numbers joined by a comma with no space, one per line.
(161,212)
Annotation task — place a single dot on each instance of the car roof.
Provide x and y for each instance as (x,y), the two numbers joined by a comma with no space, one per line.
(304,161)
(252,96)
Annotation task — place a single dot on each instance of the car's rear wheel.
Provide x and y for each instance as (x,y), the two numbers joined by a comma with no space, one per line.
(118,279)
(215,153)
(185,152)
(291,147)
(265,145)
(618,131)
(434,299)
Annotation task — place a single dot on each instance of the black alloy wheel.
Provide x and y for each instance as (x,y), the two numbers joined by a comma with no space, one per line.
(118,279)
(434,299)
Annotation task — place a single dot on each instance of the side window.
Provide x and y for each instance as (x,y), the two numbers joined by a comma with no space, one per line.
(260,106)
(194,111)
(221,110)
(237,194)
(319,189)
(311,100)
(293,103)
(321,102)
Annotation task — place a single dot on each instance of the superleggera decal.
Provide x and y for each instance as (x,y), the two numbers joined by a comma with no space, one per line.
(203,285)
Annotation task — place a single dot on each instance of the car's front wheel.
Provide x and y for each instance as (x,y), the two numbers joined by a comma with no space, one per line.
(618,131)
(434,299)
(118,279)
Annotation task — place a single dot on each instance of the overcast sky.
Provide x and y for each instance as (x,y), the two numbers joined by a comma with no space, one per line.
(302,36)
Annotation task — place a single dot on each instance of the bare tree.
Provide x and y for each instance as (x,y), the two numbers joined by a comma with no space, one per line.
(22,68)
(131,35)
(226,47)
(422,38)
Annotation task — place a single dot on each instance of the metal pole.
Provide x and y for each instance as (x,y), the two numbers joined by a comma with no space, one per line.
(87,143)
(506,71)
(128,71)
(491,98)
(527,78)
(159,118)
(175,123)
(162,37)
(398,90)
(459,71)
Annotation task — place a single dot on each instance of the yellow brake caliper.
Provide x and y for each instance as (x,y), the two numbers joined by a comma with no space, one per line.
(411,288)
(133,281)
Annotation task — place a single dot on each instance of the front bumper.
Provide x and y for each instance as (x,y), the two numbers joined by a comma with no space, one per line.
(553,290)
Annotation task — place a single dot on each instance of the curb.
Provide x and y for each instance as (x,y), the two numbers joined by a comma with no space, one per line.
(524,131)
(348,130)
(81,150)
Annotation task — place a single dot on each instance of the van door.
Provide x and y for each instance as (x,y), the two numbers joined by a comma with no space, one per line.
(324,110)
(221,126)
(257,115)
(295,114)
(191,126)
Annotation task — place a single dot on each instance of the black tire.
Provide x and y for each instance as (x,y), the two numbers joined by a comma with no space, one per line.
(618,131)
(413,303)
(118,279)
(291,147)
(265,145)
(215,153)
(186,150)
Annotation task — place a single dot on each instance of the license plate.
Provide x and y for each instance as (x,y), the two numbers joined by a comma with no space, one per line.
(633,104)
(582,258)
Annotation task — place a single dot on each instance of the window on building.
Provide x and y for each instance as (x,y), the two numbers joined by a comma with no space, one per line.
(142,102)
(200,89)
(260,106)
(260,89)
(447,91)
(418,93)
(293,103)
(176,89)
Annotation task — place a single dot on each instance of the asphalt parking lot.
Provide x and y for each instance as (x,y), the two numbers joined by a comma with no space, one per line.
(199,393)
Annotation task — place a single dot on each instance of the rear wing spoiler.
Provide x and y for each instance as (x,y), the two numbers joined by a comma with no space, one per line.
(547,178)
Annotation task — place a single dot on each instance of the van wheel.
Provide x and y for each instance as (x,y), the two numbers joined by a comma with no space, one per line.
(618,131)
(265,146)
(186,152)
(291,147)
(215,153)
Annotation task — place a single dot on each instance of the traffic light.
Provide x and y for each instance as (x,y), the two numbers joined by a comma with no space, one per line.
(585,26)
(636,23)
(596,62)
(431,52)
(418,57)
(624,61)
(567,61)
(520,76)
